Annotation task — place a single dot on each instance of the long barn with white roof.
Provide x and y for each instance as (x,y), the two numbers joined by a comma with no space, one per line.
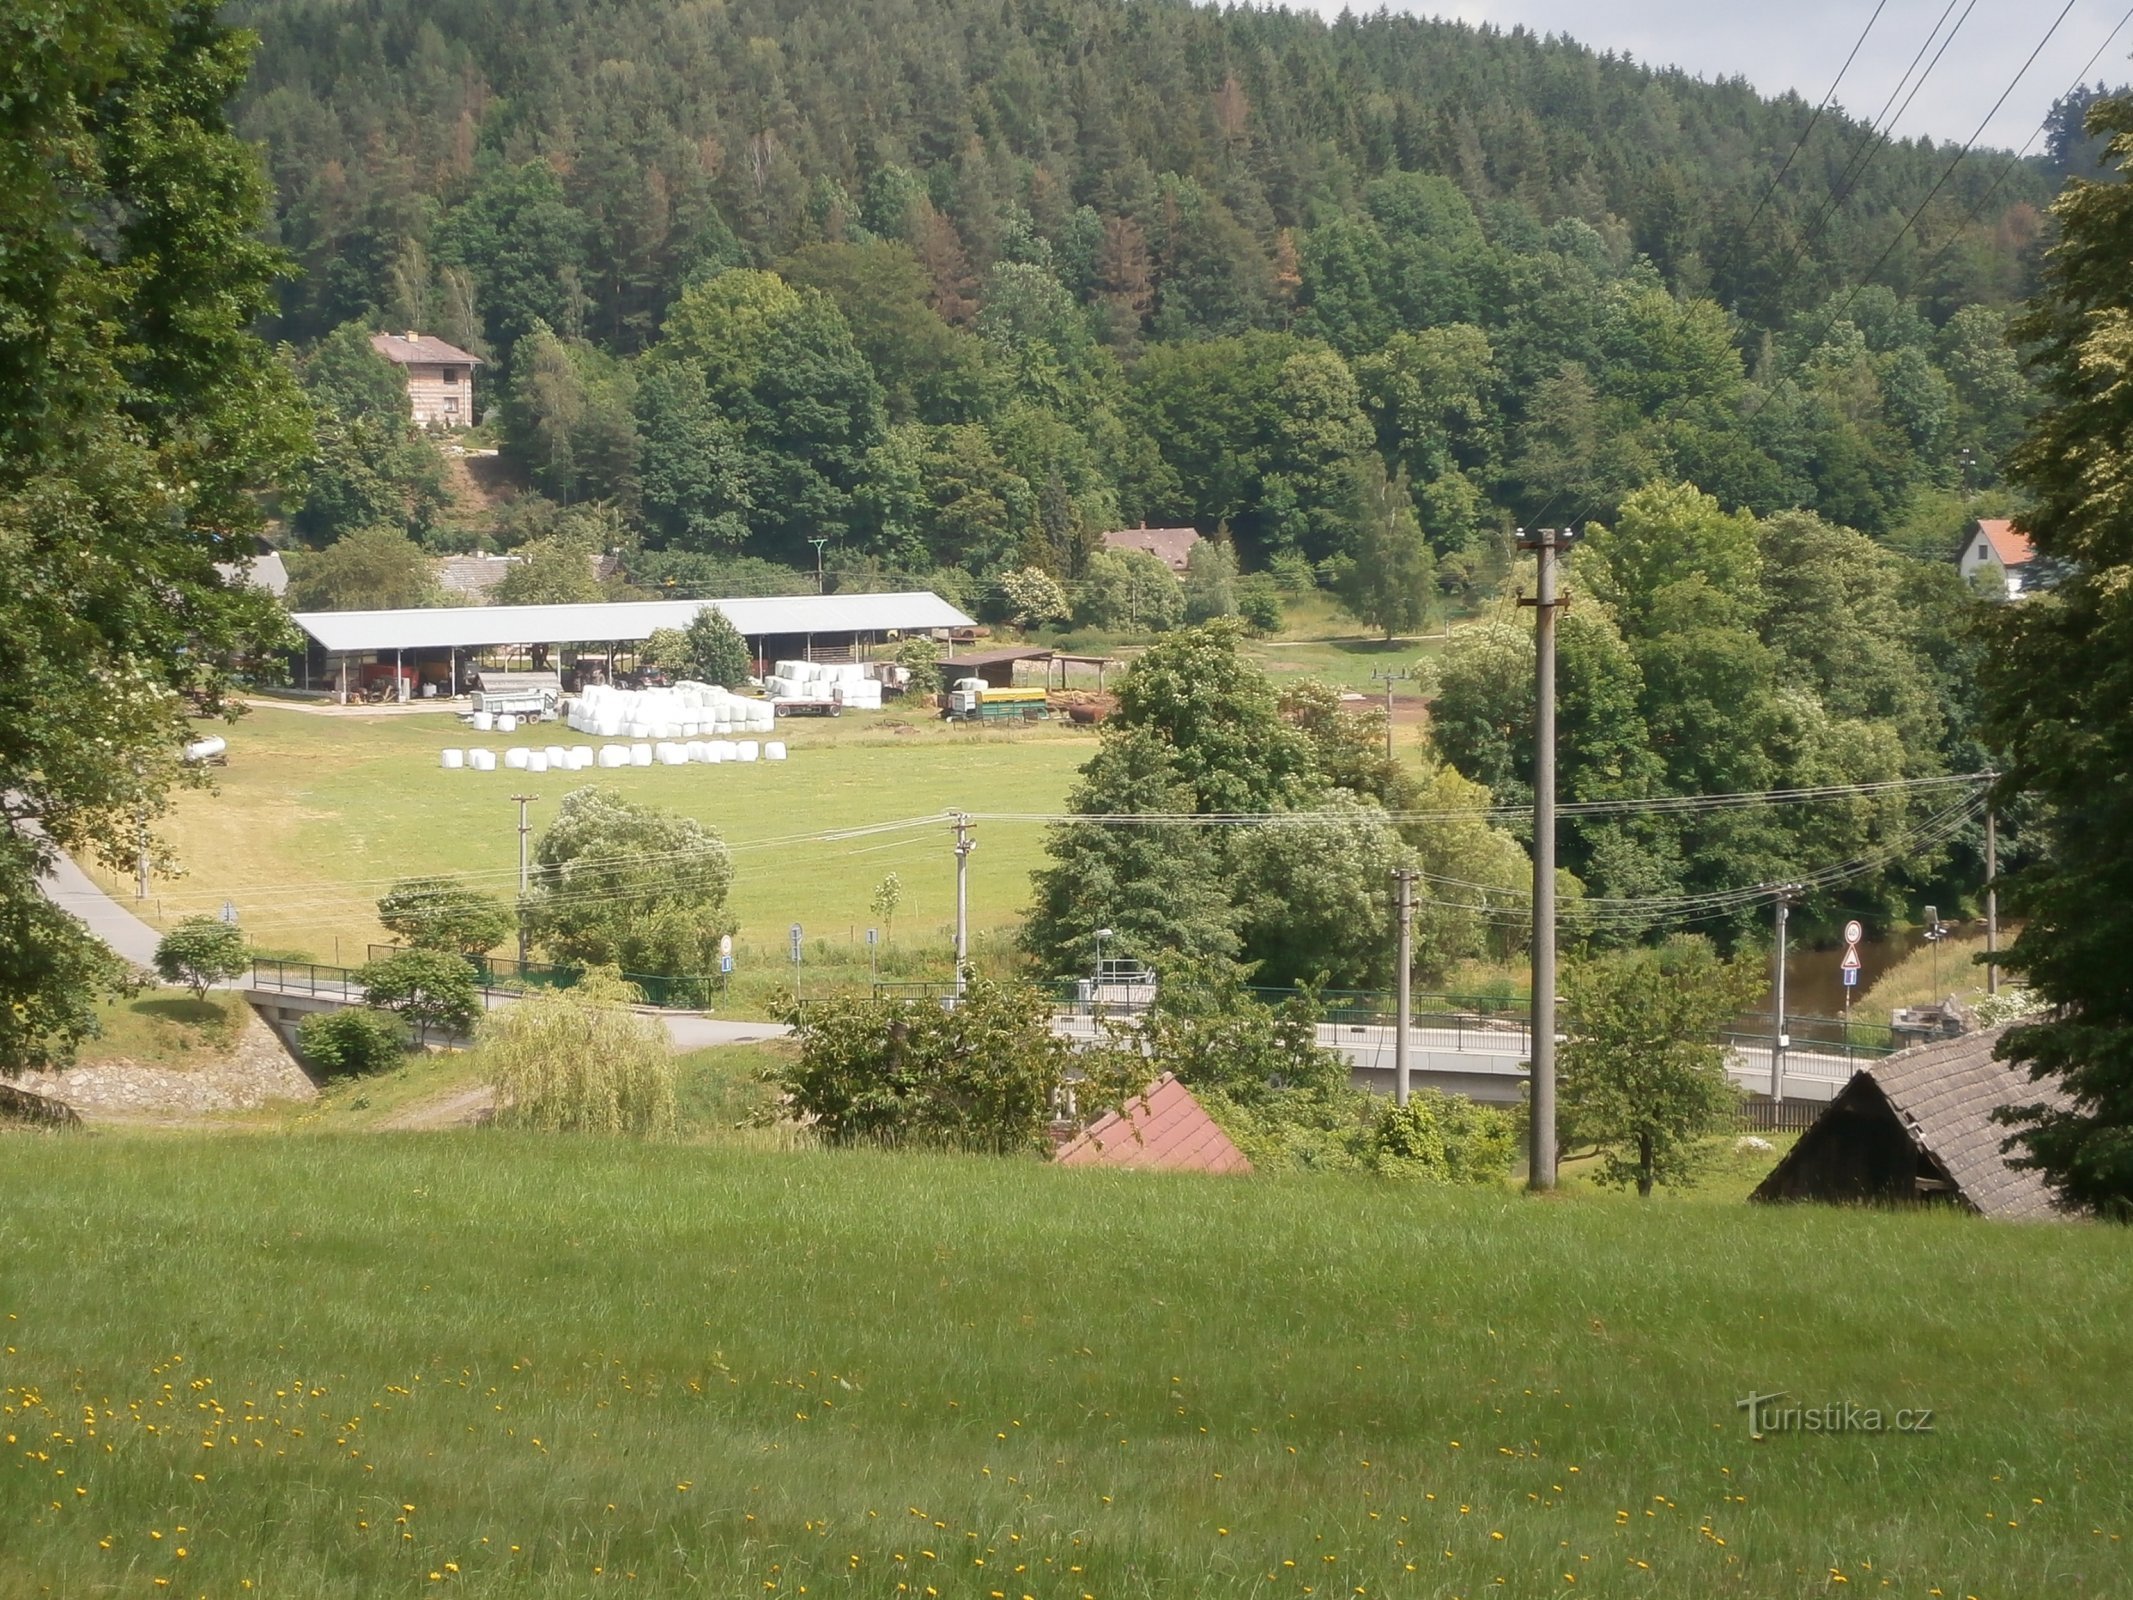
(350,651)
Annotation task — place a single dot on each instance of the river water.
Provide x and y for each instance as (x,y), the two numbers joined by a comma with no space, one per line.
(1814,979)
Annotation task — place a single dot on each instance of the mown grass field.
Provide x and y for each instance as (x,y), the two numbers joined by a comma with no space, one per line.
(316,815)
(315,1366)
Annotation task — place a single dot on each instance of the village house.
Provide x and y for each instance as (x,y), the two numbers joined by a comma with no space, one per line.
(440,377)
(2003,556)
(1171,546)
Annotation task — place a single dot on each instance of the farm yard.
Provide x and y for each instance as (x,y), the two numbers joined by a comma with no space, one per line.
(369,1364)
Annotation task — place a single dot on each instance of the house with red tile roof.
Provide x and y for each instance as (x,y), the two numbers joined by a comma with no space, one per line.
(440,377)
(1998,556)
(1162,1127)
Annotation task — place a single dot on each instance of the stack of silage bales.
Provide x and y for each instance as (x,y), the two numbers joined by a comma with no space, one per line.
(689,723)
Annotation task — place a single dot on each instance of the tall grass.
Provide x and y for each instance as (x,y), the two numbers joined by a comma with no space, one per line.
(548,1367)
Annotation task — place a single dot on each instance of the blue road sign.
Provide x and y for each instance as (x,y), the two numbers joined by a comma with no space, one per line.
(725,964)
(796,944)
(1851,977)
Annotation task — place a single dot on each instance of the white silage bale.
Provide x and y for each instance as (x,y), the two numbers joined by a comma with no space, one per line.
(558,757)
(634,729)
(516,757)
(581,757)
(614,755)
(640,755)
(482,760)
(749,750)
(536,761)
(506,723)
(453,759)
(774,750)
(715,753)
(484,721)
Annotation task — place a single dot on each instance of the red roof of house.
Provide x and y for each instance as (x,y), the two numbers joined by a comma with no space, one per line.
(2012,547)
(412,349)
(1169,545)
(1164,1127)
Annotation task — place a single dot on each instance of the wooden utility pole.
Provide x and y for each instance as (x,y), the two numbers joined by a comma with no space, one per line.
(1403,1008)
(1389,679)
(1992,898)
(1546,543)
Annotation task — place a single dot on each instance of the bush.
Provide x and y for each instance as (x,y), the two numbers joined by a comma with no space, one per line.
(201,952)
(353,1042)
(1441,1139)
(922,659)
(980,1077)
(1259,604)
(430,988)
(578,1060)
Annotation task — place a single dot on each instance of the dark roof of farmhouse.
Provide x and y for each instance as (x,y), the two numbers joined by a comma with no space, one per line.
(1943,1096)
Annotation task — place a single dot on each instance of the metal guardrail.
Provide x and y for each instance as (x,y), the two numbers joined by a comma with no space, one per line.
(506,975)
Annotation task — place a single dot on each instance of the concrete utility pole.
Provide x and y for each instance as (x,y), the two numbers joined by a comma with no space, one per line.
(818,544)
(1777,1032)
(524,828)
(1403,1010)
(1389,679)
(140,860)
(964,844)
(1546,543)
(1992,898)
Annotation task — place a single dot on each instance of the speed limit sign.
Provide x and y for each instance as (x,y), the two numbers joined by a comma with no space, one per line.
(1853,932)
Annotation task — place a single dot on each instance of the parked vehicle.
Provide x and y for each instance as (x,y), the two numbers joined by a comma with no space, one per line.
(528,696)
(975,700)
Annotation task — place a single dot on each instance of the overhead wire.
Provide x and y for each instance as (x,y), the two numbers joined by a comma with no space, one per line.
(1800,144)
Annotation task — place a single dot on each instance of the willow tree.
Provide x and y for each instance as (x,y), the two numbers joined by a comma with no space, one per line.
(2059,695)
(579,1060)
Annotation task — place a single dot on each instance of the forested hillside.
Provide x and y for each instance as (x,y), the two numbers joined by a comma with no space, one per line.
(959,284)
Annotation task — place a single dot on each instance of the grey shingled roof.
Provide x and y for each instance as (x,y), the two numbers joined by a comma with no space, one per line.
(425,349)
(1943,1095)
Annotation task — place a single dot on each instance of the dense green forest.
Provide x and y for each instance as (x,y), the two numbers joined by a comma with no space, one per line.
(959,285)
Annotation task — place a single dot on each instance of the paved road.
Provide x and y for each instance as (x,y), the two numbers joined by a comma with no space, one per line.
(71,889)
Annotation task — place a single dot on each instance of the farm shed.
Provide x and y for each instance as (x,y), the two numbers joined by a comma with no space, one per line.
(438,644)
(1917,1128)
(1162,1127)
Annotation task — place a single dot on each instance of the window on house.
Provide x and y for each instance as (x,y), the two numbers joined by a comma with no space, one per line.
(451,404)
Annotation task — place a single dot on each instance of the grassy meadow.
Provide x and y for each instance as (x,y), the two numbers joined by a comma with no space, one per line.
(308,1365)
(316,815)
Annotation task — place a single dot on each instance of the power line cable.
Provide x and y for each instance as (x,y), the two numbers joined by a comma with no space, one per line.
(1801,143)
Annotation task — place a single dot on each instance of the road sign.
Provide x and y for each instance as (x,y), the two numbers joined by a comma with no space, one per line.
(873,936)
(725,965)
(796,944)
(725,945)
(1851,977)
(229,912)
(1853,932)
(1851,961)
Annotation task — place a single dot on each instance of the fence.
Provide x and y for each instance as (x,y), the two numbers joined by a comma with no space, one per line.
(503,975)
(494,977)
